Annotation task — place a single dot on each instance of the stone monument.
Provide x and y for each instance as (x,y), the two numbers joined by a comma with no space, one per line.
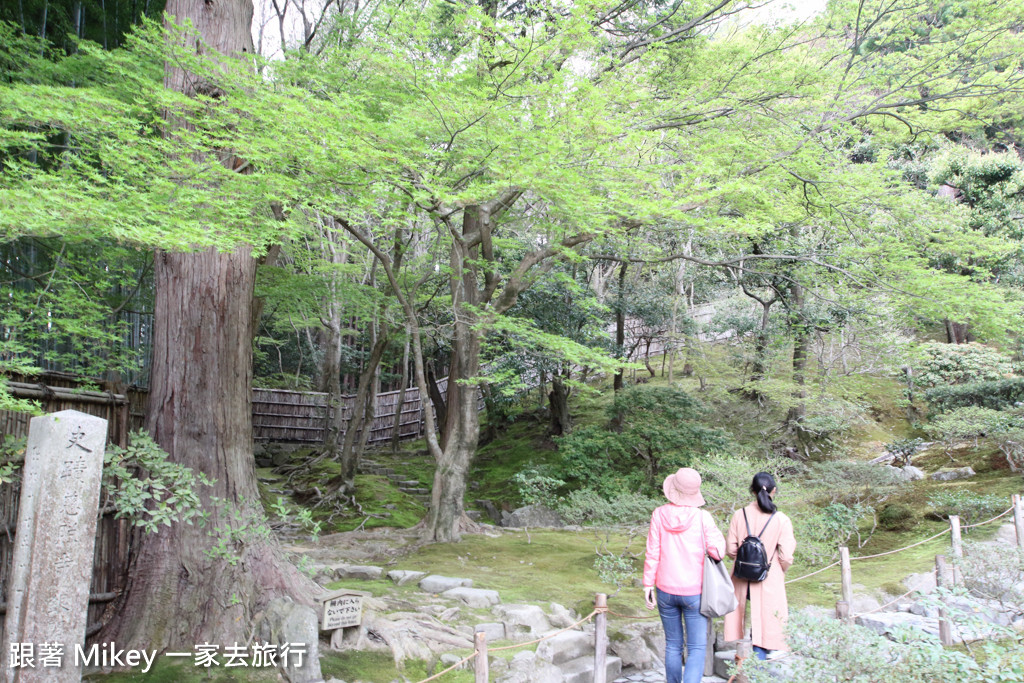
(48,596)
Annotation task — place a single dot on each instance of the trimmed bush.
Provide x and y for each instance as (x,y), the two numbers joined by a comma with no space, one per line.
(944,364)
(997,395)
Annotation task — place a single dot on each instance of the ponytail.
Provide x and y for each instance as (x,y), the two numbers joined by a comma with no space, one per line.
(761,487)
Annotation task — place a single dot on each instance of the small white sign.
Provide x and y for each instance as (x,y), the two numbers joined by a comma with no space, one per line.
(342,609)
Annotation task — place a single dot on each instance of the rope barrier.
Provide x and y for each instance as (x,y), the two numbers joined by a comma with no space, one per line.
(626,616)
(453,666)
(888,604)
(989,521)
(801,578)
(550,635)
(900,550)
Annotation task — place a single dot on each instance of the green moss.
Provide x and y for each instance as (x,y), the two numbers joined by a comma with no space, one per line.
(176,671)
(379,667)
(535,567)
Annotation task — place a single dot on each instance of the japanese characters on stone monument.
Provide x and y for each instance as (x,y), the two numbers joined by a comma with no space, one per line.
(48,597)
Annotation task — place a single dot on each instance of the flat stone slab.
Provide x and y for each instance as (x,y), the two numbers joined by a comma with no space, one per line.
(884,623)
(474,597)
(911,473)
(404,576)
(1007,534)
(493,630)
(523,621)
(566,647)
(435,583)
(723,658)
(355,571)
(953,474)
(581,670)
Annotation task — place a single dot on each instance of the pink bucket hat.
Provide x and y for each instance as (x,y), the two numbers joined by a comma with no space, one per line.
(683,488)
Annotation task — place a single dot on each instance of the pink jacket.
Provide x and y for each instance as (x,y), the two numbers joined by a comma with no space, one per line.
(675,549)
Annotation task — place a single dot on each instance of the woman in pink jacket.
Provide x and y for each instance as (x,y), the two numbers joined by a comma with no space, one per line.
(768,606)
(674,572)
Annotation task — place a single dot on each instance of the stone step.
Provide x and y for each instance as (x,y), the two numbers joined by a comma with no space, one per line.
(581,669)
(566,647)
(723,658)
(416,491)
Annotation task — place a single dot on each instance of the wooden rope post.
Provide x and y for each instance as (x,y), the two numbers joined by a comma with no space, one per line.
(709,653)
(480,663)
(601,638)
(744,650)
(843,610)
(846,574)
(1018,518)
(958,546)
(945,633)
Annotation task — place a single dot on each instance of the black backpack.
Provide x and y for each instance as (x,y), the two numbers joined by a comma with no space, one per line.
(752,562)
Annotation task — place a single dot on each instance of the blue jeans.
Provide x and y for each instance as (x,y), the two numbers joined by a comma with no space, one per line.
(675,610)
(760,652)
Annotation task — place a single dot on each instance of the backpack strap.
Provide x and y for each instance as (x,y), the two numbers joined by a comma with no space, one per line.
(762,528)
(747,521)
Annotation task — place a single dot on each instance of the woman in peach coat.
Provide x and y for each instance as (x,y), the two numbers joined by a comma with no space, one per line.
(768,606)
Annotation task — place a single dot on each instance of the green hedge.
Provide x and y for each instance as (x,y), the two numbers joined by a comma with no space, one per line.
(997,394)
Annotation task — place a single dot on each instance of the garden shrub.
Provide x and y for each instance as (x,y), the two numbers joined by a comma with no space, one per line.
(971,507)
(652,431)
(826,419)
(995,394)
(851,483)
(843,521)
(896,517)
(904,449)
(587,506)
(944,364)
(832,650)
(816,541)
(537,488)
(1005,428)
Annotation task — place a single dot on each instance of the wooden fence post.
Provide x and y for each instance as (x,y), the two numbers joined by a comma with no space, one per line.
(945,634)
(744,650)
(843,610)
(846,575)
(480,662)
(958,546)
(709,653)
(1018,518)
(601,638)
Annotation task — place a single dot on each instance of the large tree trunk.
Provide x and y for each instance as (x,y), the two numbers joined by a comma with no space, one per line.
(200,412)
(180,590)
(437,401)
(358,422)
(558,398)
(958,333)
(760,368)
(620,325)
(447,516)
(396,434)
(801,348)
